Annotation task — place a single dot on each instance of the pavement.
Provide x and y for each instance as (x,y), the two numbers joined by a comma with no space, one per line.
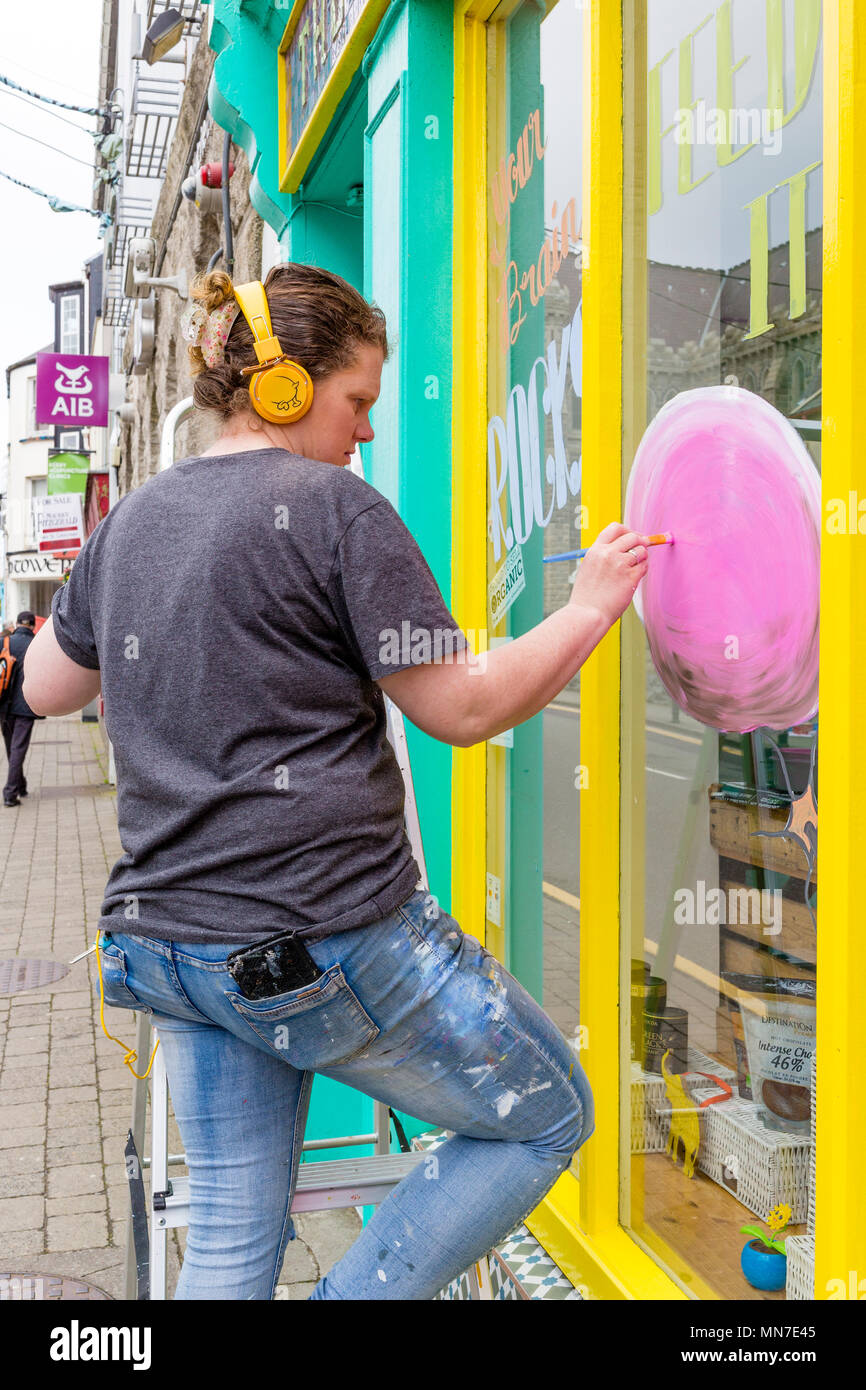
(65,1094)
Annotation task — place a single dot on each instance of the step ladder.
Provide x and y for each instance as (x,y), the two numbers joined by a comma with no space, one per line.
(163,1203)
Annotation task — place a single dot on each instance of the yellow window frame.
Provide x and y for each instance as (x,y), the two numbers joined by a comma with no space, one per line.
(579,1220)
(293,164)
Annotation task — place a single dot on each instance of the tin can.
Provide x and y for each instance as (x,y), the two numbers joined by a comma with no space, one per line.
(666,1030)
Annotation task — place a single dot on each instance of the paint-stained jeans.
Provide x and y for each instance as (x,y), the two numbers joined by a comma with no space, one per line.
(410,1011)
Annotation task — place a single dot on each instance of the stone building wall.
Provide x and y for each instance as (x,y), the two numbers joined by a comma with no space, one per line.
(193,237)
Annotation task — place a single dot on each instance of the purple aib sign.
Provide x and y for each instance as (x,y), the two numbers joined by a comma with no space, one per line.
(71,390)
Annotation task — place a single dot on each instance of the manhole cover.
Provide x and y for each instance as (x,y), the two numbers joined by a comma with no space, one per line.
(18,974)
(83,789)
(39,1287)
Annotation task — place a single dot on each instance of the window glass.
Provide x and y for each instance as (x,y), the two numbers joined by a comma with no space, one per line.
(30,427)
(37,487)
(533,481)
(69,323)
(722,284)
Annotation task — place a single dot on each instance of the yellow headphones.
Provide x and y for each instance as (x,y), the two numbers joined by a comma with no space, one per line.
(281,390)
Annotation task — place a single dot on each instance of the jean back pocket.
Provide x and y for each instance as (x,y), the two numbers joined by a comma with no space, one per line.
(319,1025)
(115,988)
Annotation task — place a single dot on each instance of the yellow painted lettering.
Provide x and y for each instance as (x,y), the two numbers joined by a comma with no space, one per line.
(807,31)
(759,251)
(688,102)
(797,240)
(337,15)
(655,135)
(725,69)
(318,8)
(302,46)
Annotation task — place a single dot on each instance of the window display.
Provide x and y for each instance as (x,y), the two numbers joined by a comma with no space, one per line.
(720,657)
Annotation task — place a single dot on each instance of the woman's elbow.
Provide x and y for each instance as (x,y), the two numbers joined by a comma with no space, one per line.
(38,700)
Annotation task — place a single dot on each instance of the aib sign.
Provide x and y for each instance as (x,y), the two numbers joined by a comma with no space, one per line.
(71,390)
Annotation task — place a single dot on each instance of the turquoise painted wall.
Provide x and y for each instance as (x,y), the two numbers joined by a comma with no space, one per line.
(408,243)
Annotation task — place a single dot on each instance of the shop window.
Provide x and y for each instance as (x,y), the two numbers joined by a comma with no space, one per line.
(534,776)
(30,426)
(70,323)
(36,488)
(723,179)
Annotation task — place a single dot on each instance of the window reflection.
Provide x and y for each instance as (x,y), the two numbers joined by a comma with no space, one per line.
(726,183)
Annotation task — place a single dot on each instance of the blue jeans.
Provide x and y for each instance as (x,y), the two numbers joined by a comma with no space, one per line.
(410,1011)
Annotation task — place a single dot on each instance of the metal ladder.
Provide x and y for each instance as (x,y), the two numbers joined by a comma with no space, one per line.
(349,1182)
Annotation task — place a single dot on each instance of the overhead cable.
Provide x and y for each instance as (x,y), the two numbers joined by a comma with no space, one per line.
(55,114)
(58,204)
(52,101)
(88,163)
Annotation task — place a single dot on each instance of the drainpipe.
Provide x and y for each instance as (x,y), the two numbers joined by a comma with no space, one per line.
(173,421)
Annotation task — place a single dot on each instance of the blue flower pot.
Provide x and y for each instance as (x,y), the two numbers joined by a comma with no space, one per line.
(764,1268)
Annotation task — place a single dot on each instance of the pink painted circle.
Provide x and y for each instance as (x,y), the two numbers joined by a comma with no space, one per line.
(731,607)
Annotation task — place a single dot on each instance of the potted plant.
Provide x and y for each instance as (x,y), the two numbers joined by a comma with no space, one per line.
(763,1260)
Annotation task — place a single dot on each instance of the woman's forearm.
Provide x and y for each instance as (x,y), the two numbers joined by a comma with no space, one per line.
(513,682)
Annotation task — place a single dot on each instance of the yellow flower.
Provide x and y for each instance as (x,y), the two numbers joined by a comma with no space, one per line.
(779,1217)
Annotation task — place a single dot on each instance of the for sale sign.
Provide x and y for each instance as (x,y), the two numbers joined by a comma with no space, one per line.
(71,389)
(59,522)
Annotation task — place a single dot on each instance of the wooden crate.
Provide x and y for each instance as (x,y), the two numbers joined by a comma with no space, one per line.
(747,947)
(732,832)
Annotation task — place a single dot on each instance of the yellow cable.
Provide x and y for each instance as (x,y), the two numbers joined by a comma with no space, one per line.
(130,1054)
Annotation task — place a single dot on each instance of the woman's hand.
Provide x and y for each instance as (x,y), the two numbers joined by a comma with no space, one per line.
(610,571)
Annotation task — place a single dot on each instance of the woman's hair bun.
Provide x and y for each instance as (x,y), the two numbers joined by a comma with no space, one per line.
(319,319)
(212,288)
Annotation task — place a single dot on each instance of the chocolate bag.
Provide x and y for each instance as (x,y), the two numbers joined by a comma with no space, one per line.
(774,1042)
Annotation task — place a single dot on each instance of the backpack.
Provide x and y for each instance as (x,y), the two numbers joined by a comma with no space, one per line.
(7,668)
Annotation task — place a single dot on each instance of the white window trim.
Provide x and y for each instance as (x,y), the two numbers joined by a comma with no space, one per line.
(32,494)
(66,299)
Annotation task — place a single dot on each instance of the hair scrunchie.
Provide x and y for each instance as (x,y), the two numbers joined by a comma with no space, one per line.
(209,331)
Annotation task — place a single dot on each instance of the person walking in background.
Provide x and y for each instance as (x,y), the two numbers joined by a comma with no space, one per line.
(16,715)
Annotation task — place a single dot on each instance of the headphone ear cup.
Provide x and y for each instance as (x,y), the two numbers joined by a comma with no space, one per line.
(283,393)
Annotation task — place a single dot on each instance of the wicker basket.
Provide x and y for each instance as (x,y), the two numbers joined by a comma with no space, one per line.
(811,1213)
(800,1277)
(800,1280)
(648,1134)
(760,1167)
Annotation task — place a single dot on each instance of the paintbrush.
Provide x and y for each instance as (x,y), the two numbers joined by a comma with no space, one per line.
(663,538)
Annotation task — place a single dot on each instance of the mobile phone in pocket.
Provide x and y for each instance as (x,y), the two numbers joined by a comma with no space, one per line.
(277,965)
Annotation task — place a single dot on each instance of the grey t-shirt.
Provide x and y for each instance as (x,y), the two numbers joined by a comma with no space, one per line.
(240,608)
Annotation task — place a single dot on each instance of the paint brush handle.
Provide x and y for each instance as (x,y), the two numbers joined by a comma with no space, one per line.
(664,538)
